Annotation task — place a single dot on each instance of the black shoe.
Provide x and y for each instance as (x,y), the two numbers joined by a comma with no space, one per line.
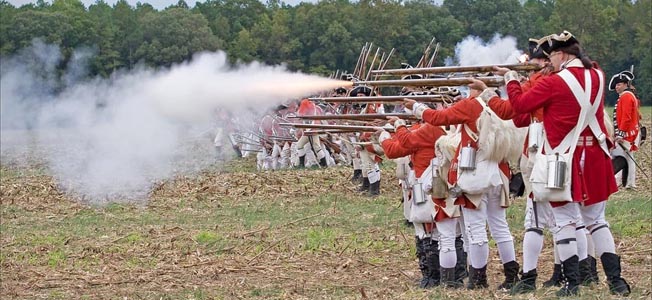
(365,185)
(357,176)
(587,274)
(322,162)
(448,278)
(611,266)
(511,275)
(477,278)
(571,270)
(527,284)
(302,162)
(374,189)
(461,271)
(421,255)
(557,279)
(432,260)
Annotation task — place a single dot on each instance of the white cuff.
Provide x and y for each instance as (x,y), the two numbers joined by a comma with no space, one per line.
(418,110)
(398,123)
(384,136)
(487,94)
(511,75)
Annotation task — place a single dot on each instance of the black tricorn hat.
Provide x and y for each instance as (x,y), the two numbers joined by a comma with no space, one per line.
(558,41)
(536,49)
(340,90)
(624,76)
(360,89)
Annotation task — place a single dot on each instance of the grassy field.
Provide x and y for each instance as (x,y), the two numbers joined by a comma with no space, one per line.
(232,233)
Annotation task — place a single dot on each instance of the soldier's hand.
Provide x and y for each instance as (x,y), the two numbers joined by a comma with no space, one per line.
(408,103)
(392,119)
(477,85)
(500,71)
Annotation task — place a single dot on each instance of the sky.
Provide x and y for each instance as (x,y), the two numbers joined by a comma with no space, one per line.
(158,4)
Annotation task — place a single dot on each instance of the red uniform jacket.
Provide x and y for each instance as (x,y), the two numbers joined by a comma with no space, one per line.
(626,117)
(504,109)
(466,111)
(561,111)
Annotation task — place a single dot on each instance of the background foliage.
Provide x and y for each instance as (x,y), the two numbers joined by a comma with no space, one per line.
(328,35)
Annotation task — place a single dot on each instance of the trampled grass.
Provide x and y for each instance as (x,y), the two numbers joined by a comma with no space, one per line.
(232,233)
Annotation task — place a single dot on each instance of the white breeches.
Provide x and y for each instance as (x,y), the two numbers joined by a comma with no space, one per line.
(542,218)
(315,144)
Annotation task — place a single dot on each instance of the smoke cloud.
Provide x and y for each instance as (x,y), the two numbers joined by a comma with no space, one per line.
(473,51)
(111,139)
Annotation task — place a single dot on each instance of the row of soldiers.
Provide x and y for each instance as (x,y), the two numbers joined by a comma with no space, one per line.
(459,167)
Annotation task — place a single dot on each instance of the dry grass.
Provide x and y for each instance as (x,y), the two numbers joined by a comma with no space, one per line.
(232,234)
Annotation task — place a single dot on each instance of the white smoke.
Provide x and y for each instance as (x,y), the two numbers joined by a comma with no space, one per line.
(473,51)
(113,138)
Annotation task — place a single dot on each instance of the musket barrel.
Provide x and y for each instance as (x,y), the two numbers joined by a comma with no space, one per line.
(456,69)
(356,116)
(324,126)
(493,81)
(423,98)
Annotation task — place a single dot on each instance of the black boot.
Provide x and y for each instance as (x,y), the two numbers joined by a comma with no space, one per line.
(477,278)
(448,278)
(557,278)
(511,275)
(357,176)
(374,189)
(527,284)
(432,260)
(571,270)
(594,269)
(322,162)
(587,274)
(611,266)
(461,271)
(365,185)
(302,162)
(421,255)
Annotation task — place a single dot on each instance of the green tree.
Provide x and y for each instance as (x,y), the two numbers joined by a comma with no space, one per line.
(243,48)
(174,35)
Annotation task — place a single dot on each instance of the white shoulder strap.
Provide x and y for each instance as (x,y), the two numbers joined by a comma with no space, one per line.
(485,109)
(582,95)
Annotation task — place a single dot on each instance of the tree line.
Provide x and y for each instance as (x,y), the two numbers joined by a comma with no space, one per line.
(328,35)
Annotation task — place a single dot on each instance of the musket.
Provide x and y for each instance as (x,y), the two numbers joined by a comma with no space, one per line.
(492,81)
(349,127)
(357,64)
(434,55)
(423,98)
(364,61)
(372,64)
(630,157)
(457,69)
(357,116)
(329,131)
(424,57)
